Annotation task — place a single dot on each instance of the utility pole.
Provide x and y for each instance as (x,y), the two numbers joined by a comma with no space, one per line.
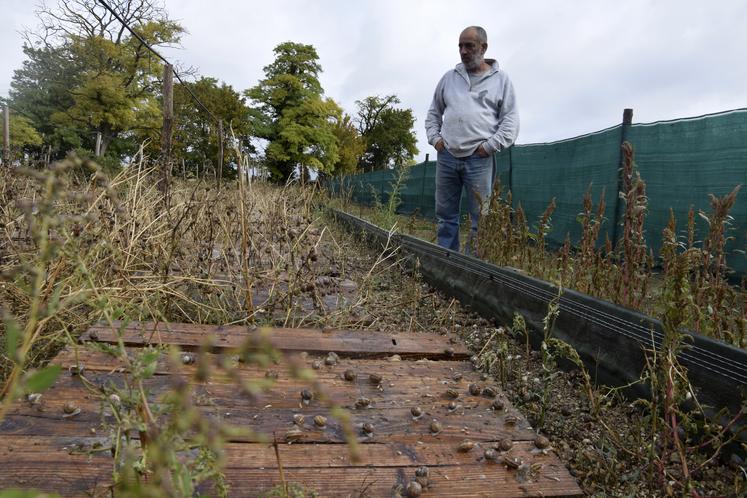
(6,136)
(168,123)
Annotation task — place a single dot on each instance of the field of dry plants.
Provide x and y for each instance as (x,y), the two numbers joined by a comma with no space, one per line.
(78,248)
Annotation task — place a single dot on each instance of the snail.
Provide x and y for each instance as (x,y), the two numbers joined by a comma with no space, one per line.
(69,408)
(188,359)
(436,427)
(491,455)
(298,419)
(465,446)
(306,396)
(452,406)
(511,419)
(422,471)
(456,377)
(316,364)
(490,392)
(484,377)
(362,402)
(293,434)
(368,428)
(416,411)
(505,444)
(271,374)
(375,379)
(541,442)
(449,352)
(474,389)
(414,489)
(349,375)
(320,421)
(452,393)
(497,405)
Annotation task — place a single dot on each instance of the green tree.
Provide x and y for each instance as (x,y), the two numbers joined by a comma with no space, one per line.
(351,146)
(86,74)
(387,131)
(195,131)
(296,120)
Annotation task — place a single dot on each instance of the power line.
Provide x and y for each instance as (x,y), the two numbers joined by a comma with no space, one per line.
(155,52)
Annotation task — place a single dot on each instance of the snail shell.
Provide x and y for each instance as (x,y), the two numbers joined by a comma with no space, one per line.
(452,393)
(497,405)
(436,427)
(320,421)
(362,402)
(541,442)
(456,377)
(368,428)
(414,489)
(69,408)
(375,379)
(188,359)
(293,434)
(416,411)
(491,455)
(298,419)
(490,392)
(316,364)
(422,471)
(474,389)
(505,444)
(511,420)
(307,395)
(452,406)
(465,446)
(349,375)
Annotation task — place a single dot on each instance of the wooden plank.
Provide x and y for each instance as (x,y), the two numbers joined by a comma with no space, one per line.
(273,412)
(250,469)
(349,343)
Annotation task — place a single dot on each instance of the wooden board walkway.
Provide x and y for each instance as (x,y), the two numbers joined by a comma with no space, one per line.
(42,448)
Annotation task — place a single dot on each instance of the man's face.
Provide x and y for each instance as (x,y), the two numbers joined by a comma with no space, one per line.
(471,50)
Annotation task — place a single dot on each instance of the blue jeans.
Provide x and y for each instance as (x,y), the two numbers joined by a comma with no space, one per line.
(453,174)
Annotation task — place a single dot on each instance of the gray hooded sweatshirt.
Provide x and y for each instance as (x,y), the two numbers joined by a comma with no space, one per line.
(466,114)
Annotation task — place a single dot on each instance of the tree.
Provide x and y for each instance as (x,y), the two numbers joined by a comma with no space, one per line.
(387,131)
(195,131)
(296,119)
(86,74)
(351,145)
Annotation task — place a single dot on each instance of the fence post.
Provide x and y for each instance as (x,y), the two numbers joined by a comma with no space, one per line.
(6,136)
(98,144)
(168,122)
(627,121)
(220,152)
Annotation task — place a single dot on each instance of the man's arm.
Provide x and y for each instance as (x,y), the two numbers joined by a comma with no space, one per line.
(434,119)
(508,122)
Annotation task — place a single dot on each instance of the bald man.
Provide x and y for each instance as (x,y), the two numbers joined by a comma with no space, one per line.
(473,115)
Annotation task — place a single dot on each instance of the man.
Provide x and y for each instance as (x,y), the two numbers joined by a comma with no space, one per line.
(473,116)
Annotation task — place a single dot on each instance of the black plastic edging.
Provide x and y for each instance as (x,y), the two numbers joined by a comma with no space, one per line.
(610,339)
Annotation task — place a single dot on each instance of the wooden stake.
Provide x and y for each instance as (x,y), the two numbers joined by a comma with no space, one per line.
(98,143)
(6,137)
(168,123)
(220,152)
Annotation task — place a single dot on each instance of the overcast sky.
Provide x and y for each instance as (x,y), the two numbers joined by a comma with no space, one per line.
(575,65)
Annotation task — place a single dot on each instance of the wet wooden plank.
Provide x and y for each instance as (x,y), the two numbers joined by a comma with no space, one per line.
(350,343)
(327,469)
(273,411)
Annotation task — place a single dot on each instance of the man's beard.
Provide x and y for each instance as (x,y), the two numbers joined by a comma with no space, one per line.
(473,63)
